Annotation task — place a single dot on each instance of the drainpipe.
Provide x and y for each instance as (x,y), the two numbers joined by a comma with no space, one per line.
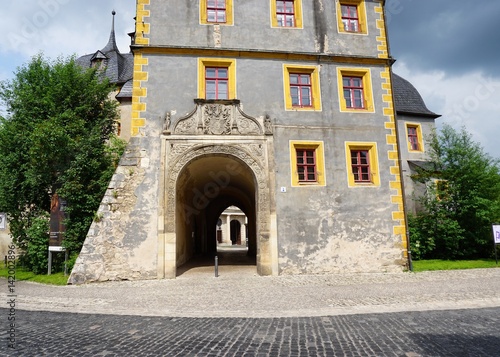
(398,144)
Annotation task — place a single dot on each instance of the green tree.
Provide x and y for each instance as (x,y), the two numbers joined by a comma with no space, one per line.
(58,136)
(462,202)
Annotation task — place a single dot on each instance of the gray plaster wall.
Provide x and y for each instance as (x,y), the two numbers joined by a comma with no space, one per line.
(335,228)
(177,23)
(413,189)
(173,86)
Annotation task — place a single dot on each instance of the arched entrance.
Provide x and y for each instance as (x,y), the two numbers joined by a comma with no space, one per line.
(208,180)
(206,186)
(215,157)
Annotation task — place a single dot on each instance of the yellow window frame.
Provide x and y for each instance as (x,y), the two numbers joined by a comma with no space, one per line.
(361,8)
(297,11)
(230,64)
(229,14)
(365,74)
(440,188)
(313,71)
(371,147)
(419,136)
(320,162)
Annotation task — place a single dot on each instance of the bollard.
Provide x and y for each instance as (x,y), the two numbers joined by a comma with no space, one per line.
(410,262)
(216,267)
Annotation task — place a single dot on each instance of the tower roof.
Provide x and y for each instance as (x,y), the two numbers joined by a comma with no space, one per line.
(111,45)
(118,67)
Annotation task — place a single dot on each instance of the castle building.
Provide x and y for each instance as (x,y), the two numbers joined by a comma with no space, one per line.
(284,109)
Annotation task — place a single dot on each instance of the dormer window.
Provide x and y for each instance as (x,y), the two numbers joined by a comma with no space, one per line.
(98,60)
(98,63)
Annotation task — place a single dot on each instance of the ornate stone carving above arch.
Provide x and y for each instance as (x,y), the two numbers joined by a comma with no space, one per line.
(219,117)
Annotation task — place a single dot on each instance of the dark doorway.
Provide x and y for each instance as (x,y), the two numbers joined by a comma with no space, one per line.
(235,232)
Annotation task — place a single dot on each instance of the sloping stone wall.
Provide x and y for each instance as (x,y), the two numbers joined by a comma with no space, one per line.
(109,250)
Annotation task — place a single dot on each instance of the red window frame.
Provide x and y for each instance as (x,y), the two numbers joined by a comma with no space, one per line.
(285,13)
(216,11)
(306,165)
(360,163)
(353,92)
(350,18)
(301,89)
(413,138)
(217,81)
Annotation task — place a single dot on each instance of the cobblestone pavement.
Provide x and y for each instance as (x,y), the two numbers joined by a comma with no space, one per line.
(239,292)
(447,313)
(472,332)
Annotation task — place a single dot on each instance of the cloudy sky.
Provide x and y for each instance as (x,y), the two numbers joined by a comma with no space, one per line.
(448,49)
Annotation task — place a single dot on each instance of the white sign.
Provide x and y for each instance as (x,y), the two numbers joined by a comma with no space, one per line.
(57,249)
(3,219)
(496,233)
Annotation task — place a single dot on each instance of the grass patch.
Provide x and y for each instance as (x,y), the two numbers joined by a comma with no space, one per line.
(437,264)
(23,275)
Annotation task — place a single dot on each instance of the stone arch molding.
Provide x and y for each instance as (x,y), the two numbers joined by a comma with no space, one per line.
(179,155)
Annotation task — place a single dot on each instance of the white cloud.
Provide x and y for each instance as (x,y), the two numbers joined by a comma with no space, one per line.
(471,100)
(64,27)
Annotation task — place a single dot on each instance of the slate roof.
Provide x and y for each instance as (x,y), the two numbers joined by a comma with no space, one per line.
(118,66)
(407,100)
(126,91)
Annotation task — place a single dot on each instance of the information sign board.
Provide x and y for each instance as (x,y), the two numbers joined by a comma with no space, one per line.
(496,233)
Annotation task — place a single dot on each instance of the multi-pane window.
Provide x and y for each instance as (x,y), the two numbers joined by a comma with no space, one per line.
(216,78)
(285,13)
(306,165)
(350,18)
(216,83)
(413,138)
(300,89)
(216,11)
(360,163)
(353,92)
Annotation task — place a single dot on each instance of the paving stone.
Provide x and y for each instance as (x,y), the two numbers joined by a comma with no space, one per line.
(470,332)
(454,313)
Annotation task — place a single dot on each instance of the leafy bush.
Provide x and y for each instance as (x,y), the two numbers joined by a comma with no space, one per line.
(35,252)
(462,201)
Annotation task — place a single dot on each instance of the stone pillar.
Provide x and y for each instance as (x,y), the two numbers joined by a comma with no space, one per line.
(228,229)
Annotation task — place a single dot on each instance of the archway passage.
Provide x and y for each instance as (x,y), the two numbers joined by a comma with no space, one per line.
(206,186)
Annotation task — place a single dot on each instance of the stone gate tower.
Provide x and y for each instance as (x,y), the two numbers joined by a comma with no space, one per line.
(283,108)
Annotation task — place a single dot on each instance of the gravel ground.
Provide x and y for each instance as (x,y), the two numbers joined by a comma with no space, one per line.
(240,292)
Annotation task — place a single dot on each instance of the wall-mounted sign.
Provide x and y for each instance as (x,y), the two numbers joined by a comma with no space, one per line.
(496,233)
